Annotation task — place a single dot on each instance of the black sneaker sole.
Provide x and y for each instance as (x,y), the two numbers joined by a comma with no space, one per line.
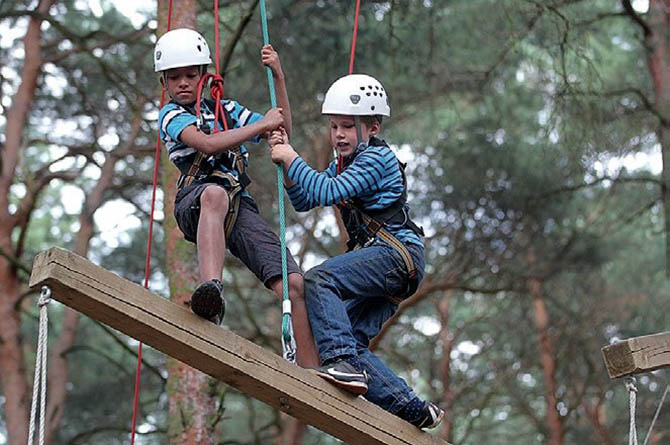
(358,388)
(207,302)
(435,422)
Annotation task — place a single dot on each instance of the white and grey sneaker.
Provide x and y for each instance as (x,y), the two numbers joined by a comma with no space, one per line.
(431,416)
(343,374)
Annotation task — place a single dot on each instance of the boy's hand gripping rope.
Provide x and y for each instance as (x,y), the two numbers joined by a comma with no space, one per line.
(289,348)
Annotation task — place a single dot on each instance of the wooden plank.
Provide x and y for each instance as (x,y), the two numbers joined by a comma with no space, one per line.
(637,355)
(174,330)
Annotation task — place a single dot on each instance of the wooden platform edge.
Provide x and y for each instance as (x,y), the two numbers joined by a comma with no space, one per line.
(173,330)
(637,355)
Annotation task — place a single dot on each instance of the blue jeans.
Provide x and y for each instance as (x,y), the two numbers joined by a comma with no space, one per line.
(347,304)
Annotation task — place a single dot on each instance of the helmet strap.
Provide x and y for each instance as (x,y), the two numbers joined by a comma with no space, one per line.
(359,133)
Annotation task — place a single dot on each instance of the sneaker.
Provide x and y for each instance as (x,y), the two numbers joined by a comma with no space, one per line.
(431,416)
(207,301)
(343,374)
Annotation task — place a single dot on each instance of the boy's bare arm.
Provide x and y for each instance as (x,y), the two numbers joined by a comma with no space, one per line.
(221,141)
(270,58)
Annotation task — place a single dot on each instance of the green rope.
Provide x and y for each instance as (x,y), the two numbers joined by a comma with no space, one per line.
(288,343)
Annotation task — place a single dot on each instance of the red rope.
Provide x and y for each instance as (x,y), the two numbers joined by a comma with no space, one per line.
(147,264)
(353,39)
(340,161)
(216,93)
(216,85)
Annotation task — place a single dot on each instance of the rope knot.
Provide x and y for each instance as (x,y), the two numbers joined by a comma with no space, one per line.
(216,87)
(630,384)
(45,296)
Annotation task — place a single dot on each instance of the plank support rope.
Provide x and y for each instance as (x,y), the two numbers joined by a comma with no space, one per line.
(658,411)
(629,382)
(40,376)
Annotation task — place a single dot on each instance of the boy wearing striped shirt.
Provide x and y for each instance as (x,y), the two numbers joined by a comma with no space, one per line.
(350,296)
(212,207)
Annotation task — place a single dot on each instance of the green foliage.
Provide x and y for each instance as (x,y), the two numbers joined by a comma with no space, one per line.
(510,114)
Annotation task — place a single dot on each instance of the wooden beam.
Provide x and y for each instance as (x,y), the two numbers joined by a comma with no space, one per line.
(637,355)
(174,330)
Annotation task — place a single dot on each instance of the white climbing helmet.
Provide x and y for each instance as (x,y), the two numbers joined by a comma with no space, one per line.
(180,47)
(356,95)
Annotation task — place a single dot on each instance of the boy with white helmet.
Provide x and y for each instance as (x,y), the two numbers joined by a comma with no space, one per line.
(212,207)
(350,296)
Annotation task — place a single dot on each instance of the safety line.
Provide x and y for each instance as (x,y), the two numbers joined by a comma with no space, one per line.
(157,156)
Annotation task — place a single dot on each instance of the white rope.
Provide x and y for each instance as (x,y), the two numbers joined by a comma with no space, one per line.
(40,368)
(632,396)
(658,411)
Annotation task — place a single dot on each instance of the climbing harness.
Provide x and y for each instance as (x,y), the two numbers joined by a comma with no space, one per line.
(205,169)
(363,226)
(40,377)
(289,348)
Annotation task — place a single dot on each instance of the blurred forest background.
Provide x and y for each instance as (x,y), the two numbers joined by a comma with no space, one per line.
(534,130)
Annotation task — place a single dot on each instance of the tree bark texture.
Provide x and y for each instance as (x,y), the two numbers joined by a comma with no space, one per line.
(447,338)
(657,40)
(547,361)
(191,394)
(12,364)
(597,415)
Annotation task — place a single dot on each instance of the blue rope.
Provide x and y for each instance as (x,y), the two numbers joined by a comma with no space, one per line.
(288,343)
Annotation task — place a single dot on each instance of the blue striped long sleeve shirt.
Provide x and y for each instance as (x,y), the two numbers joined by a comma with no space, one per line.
(374,177)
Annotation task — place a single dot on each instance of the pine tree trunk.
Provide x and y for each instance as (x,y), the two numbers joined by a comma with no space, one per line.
(547,362)
(447,338)
(657,39)
(12,364)
(192,395)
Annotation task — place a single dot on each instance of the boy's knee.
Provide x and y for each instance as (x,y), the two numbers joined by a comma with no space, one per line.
(296,286)
(315,278)
(214,199)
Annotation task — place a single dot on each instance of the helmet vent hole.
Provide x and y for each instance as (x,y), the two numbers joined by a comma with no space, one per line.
(199,48)
(368,93)
(372,107)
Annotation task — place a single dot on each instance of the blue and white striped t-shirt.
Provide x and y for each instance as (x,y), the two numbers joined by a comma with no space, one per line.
(174,118)
(374,177)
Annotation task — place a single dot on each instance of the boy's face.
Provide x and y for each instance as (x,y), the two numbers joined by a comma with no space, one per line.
(182,84)
(343,133)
